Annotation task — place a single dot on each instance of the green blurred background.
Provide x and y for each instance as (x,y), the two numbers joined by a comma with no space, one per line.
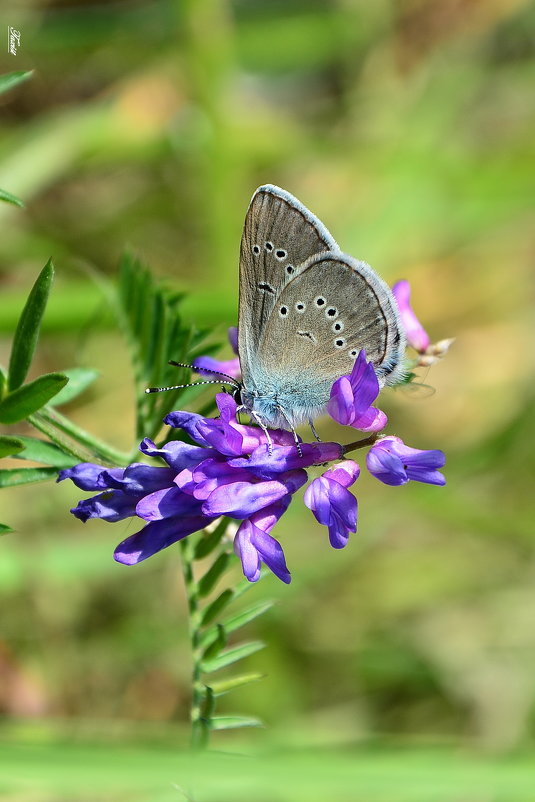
(407,127)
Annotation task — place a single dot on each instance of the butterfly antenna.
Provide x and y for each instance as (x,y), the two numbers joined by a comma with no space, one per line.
(180,386)
(199,369)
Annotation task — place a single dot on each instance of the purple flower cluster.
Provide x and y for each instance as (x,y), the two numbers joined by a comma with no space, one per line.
(229,469)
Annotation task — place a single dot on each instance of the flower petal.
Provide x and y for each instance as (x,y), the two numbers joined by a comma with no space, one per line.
(241,499)
(341,403)
(385,466)
(394,463)
(253,545)
(112,505)
(285,458)
(88,476)
(139,478)
(373,420)
(248,554)
(317,500)
(345,473)
(189,421)
(232,334)
(177,454)
(417,336)
(167,503)
(156,536)
(217,367)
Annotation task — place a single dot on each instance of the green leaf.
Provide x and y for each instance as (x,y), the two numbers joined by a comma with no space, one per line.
(5,529)
(227,685)
(10,445)
(79,380)
(23,476)
(230,656)
(236,621)
(234,722)
(12,79)
(27,331)
(29,398)
(47,453)
(213,575)
(9,198)
(245,616)
(220,641)
(210,541)
(209,703)
(3,384)
(149,316)
(212,611)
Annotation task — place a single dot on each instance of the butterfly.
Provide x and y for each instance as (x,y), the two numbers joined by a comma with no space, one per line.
(306,310)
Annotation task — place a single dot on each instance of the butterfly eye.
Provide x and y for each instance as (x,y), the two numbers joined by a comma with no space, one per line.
(331,312)
(300,307)
(320,301)
(290,269)
(338,326)
(280,254)
(283,311)
(256,249)
(268,246)
(340,342)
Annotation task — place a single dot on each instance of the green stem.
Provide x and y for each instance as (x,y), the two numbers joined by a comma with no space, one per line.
(366,441)
(54,419)
(51,433)
(199,727)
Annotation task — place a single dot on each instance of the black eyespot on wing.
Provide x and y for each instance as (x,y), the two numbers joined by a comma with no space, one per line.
(283,311)
(268,246)
(320,301)
(290,269)
(307,334)
(256,249)
(281,254)
(266,288)
(331,311)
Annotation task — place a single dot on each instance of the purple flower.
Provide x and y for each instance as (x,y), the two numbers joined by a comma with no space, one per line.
(227,471)
(254,545)
(332,503)
(215,367)
(394,463)
(417,336)
(352,396)
(236,470)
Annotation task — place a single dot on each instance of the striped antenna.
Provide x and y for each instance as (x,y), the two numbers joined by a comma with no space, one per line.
(179,386)
(199,369)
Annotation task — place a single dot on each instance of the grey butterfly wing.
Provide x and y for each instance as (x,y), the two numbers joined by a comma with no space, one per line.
(322,318)
(279,237)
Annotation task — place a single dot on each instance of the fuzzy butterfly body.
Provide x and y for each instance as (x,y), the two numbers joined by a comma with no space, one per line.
(306,311)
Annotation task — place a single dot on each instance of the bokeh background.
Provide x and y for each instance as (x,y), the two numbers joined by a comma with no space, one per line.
(407,127)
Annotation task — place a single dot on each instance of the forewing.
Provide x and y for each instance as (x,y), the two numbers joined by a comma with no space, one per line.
(333,309)
(279,237)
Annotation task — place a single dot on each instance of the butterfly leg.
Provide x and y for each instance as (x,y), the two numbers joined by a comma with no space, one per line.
(295,435)
(264,428)
(240,408)
(314,432)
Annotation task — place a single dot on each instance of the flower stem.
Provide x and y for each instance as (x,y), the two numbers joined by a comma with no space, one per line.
(53,419)
(366,441)
(52,434)
(199,726)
